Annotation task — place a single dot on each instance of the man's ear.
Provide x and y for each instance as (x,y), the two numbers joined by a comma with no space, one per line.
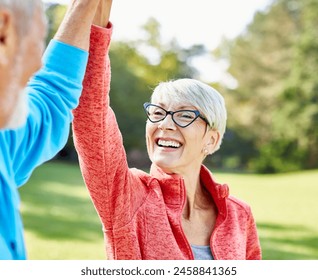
(8,36)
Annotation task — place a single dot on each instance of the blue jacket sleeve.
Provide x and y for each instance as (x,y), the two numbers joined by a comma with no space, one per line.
(52,93)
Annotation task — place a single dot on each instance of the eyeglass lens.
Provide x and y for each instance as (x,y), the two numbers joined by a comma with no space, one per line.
(181,117)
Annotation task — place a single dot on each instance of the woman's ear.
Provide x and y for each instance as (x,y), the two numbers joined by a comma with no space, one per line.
(213,140)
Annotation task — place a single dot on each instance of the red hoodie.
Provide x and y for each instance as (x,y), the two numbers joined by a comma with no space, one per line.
(141,212)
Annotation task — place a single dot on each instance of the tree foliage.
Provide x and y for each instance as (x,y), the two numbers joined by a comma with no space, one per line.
(274,108)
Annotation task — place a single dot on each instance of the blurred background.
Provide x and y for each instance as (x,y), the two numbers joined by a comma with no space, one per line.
(263,58)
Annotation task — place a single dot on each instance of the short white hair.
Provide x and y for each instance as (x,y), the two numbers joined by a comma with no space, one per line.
(203,97)
(23,11)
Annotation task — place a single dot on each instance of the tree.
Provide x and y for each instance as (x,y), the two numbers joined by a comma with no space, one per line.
(274,107)
(301,92)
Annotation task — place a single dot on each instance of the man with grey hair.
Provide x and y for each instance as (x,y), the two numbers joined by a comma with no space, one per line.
(35,114)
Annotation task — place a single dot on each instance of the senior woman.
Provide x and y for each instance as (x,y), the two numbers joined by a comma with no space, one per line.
(177,211)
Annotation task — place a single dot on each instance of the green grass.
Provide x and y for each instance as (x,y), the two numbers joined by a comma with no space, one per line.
(59,218)
(61,222)
(285,209)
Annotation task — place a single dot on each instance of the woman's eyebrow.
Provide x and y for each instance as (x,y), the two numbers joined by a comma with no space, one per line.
(183,107)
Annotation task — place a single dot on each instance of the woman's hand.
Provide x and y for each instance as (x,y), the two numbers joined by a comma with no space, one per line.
(103,13)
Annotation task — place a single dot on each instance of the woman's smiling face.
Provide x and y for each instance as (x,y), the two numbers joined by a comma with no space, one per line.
(175,149)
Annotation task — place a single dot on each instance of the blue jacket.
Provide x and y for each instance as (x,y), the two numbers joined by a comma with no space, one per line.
(52,93)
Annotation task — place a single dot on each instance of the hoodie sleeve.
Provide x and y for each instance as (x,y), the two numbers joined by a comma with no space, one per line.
(99,142)
(52,94)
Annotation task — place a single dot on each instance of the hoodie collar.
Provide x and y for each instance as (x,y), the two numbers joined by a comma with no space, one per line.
(174,191)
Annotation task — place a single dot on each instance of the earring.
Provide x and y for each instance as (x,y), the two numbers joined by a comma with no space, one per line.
(205,151)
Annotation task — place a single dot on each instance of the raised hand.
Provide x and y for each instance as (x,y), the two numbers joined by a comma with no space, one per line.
(103,13)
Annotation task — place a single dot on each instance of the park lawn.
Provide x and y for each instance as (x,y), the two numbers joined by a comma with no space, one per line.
(59,218)
(285,209)
(61,222)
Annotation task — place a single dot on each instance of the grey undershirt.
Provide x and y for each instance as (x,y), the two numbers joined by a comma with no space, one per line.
(202,252)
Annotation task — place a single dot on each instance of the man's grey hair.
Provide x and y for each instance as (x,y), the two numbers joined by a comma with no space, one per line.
(203,97)
(23,11)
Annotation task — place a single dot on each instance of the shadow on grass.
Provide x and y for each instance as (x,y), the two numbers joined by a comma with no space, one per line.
(288,242)
(56,204)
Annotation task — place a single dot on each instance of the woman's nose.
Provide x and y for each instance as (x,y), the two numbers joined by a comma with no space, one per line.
(167,123)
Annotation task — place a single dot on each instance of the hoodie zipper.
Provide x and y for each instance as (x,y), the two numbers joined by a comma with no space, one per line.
(180,220)
(219,221)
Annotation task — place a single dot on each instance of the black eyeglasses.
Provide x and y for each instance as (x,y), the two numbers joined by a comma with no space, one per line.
(182,118)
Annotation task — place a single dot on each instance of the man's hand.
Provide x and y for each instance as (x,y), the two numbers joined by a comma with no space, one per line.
(76,25)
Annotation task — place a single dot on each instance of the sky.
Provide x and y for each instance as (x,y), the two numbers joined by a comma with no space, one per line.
(189,22)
